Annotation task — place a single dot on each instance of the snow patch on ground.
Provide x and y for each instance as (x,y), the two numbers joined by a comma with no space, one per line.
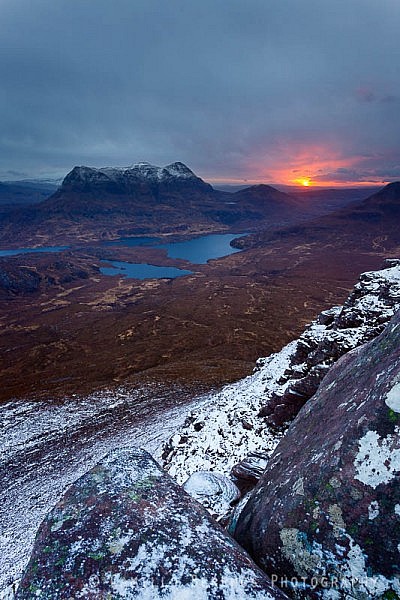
(373,510)
(393,398)
(227,427)
(45,447)
(377,460)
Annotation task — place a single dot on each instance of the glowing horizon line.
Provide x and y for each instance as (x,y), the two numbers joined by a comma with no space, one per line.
(292,183)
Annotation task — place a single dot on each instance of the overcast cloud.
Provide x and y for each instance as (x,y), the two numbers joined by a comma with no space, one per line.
(258,90)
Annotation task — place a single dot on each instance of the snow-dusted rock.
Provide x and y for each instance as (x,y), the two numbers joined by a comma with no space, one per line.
(249,416)
(123,178)
(214,437)
(213,490)
(126,530)
(326,511)
(364,315)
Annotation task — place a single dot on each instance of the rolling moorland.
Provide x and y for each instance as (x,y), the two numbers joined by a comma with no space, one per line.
(67,328)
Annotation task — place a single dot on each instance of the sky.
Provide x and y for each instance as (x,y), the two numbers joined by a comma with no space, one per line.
(242,91)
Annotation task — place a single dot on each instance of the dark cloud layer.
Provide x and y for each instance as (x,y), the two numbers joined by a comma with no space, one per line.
(238,89)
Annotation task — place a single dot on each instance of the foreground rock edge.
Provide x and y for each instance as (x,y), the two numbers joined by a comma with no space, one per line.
(127,530)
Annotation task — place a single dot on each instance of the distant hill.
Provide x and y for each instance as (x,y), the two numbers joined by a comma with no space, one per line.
(372,223)
(324,200)
(21,193)
(94,204)
(382,205)
(269,200)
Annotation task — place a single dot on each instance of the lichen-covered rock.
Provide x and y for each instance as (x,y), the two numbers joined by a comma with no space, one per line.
(327,508)
(127,530)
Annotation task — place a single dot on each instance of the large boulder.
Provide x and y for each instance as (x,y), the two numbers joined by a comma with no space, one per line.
(127,530)
(327,510)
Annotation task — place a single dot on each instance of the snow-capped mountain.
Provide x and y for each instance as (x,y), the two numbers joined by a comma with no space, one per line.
(141,172)
(142,198)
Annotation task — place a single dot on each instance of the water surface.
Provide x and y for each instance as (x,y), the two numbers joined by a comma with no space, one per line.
(196,251)
(200,250)
(16,251)
(142,271)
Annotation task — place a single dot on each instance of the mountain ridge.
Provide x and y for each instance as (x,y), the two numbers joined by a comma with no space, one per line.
(84,178)
(110,202)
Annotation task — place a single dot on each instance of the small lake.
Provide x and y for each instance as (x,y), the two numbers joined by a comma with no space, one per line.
(202,249)
(30,250)
(196,251)
(142,271)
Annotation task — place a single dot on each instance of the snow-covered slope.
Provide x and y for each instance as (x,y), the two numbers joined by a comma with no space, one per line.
(227,427)
(243,418)
(46,446)
(143,171)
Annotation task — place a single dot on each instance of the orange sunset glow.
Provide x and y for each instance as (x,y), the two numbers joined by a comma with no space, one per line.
(308,166)
(294,164)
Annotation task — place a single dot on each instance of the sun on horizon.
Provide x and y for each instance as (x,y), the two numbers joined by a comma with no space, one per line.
(303,181)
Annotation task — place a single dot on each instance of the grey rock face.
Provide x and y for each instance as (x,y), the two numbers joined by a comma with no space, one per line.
(327,508)
(250,468)
(127,530)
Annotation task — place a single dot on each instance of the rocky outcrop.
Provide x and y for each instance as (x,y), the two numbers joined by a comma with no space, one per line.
(134,178)
(249,470)
(127,530)
(336,331)
(19,280)
(240,426)
(326,513)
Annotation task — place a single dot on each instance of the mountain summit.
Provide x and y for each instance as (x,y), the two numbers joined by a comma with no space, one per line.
(126,179)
